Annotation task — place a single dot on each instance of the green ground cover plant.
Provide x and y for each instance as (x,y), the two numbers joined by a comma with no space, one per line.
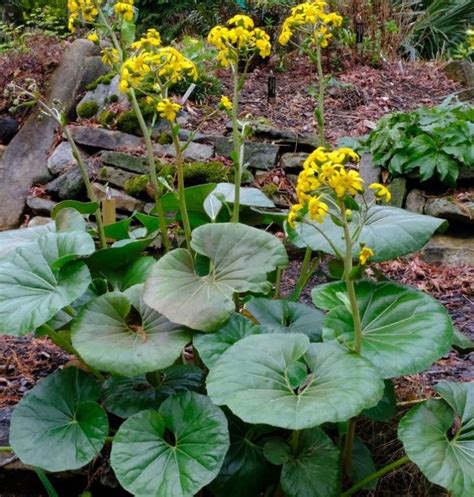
(429,142)
(217,383)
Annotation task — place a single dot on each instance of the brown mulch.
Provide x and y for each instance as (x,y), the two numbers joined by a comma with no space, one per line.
(351,111)
(36,60)
(25,361)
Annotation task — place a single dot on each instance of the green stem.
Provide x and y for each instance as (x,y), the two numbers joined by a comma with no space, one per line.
(90,191)
(377,474)
(294,441)
(152,169)
(181,194)
(237,140)
(319,66)
(300,283)
(279,275)
(46,483)
(349,441)
(6,449)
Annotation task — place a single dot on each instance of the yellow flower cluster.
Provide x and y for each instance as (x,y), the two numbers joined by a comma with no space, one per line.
(124,8)
(152,39)
(239,39)
(381,192)
(85,9)
(110,56)
(324,173)
(310,17)
(167,65)
(364,254)
(168,109)
(225,103)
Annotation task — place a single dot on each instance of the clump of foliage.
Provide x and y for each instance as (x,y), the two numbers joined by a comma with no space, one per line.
(432,142)
(136,187)
(438,27)
(213,380)
(86,110)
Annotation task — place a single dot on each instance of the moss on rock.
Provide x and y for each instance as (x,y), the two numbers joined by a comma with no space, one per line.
(137,186)
(128,123)
(87,110)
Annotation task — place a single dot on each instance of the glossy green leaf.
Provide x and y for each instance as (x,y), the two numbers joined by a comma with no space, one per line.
(212,345)
(127,396)
(172,452)
(312,469)
(195,197)
(133,274)
(282,316)
(390,232)
(362,464)
(59,425)
(11,240)
(240,258)
(109,340)
(41,278)
(404,330)
(69,219)
(253,379)
(245,471)
(82,207)
(225,192)
(462,341)
(438,436)
(119,230)
(386,409)
(119,255)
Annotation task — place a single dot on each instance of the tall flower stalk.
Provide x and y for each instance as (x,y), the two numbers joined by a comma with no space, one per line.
(238,43)
(325,187)
(313,25)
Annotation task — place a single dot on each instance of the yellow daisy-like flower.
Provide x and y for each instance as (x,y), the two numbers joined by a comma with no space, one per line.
(364,255)
(381,192)
(93,37)
(124,8)
(346,183)
(168,109)
(295,214)
(110,56)
(225,103)
(317,210)
(245,22)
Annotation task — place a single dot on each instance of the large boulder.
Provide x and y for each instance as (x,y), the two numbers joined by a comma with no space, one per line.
(25,160)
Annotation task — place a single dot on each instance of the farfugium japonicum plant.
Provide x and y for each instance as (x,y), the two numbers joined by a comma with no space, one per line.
(309,28)
(238,43)
(188,371)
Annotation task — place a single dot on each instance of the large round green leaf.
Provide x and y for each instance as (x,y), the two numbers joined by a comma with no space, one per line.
(127,396)
(438,436)
(172,452)
(240,259)
(283,380)
(225,192)
(309,470)
(390,232)
(59,425)
(245,471)
(404,330)
(212,345)
(110,340)
(12,239)
(282,316)
(39,279)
